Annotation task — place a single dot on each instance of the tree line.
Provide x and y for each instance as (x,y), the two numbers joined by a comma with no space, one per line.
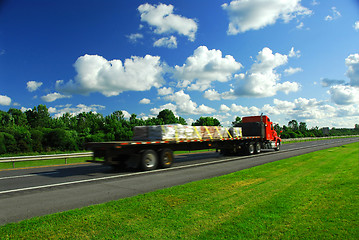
(36,131)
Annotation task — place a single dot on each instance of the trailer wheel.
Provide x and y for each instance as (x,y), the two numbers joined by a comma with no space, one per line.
(250,149)
(166,158)
(257,148)
(148,160)
(278,146)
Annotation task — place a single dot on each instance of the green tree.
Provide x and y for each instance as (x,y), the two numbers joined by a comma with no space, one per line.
(38,117)
(293,125)
(206,121)
(237,121)
(19,118)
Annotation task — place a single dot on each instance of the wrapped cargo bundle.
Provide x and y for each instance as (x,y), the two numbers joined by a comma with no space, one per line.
(177,132)
(235,132)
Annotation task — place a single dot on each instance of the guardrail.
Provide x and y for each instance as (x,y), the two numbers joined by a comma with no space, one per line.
(317,138)
(13,160)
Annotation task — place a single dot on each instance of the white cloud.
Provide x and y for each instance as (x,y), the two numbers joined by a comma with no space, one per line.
(5,100)
(245,111)
(33,85)
(344,95)
(325,82)
(170,106)
(212,95)
(184,104)
(293,53)
(134,37)
(204,67)
(291,71)
(170,42)
(247,15)
(164,91)
(335,15)
(145,101)
(24,109)
(262,80)
(224,108)
(162,19)
(300,25)
(80,108)
(96,74)
(126,114)
(314,3)
(229,95)
(356,25)
(53,96)
(352,62)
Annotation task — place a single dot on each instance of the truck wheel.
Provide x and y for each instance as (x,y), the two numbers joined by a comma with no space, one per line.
(278,147)
(257,148)
(166,158)
(148,160)
(250,149)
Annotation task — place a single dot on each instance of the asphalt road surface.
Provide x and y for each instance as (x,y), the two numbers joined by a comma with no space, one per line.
(26,193)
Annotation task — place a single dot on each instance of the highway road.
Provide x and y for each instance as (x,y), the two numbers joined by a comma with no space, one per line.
(26,193)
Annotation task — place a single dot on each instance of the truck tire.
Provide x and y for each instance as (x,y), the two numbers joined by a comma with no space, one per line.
(250,149)
(166,158)
(148,160)
(257,148)
(278,146)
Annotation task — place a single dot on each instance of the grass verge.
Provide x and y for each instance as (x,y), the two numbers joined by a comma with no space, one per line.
(314,196)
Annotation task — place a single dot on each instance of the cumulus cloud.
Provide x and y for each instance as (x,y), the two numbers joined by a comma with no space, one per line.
(247,15)
(325,82)
(344,95)
(291,71)
(33,85)
(163,20)
(224,108)
(204,67)
(60,110)
(96,74)
(5,100)
(352,62)
(262,80)
(245,111)
(335,15)
(164,91)
(356,25)
(184,104)
(212,95)
(170,42)
(53,97)
(145,101)
(134,37)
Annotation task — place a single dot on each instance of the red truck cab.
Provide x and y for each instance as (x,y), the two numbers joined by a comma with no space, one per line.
(267,130)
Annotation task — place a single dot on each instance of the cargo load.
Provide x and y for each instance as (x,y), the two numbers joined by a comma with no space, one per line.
(176,132)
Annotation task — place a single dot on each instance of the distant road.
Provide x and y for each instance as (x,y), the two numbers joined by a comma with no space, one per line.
(26,193)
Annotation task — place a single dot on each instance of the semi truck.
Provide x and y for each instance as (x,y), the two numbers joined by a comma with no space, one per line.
(257,134)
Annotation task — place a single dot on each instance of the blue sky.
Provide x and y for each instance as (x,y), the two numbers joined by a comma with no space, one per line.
(289,59)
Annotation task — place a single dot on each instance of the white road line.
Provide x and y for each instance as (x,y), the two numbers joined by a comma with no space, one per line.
(27,175)
(153,171)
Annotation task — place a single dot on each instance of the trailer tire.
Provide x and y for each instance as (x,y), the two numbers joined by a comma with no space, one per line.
(250,149)
(257,147)
(166,158)
(148,160)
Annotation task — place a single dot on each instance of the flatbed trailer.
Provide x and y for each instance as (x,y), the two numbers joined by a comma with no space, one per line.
(149,155)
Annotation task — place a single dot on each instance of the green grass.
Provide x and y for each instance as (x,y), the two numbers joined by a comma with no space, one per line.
(313,196)
(50,162)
